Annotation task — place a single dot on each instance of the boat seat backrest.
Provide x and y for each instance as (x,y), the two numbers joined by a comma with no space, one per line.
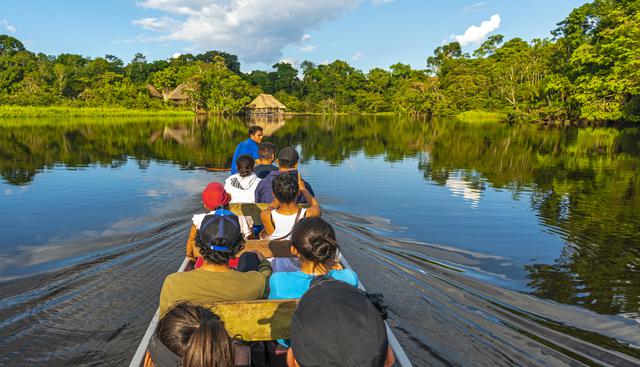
(257,320)
(269,248)
(252,210)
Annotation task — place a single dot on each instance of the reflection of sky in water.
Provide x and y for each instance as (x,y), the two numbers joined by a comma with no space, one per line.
(62,205)
(455,214)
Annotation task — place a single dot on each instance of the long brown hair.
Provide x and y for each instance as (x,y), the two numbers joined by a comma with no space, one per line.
(198,335)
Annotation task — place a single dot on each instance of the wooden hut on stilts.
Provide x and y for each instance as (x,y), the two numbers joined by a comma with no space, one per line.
(265,104)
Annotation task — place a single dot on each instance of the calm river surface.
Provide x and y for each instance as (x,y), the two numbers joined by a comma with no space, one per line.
(493,244)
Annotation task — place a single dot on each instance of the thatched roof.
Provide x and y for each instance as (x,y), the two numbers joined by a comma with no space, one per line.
(265,101)
(180,93)
(153,91)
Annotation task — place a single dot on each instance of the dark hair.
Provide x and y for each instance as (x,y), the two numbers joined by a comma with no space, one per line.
(254,129)
(285,188)
(245,164)
(315,240)
(267,150)
(197,335)
(212,256)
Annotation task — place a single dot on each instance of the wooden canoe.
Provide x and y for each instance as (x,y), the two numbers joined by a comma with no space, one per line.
(261,319)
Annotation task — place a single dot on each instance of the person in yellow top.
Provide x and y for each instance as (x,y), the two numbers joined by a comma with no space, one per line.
(218,240)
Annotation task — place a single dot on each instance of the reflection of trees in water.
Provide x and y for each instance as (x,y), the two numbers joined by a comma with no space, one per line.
(584,186)
(584,182)
(26,150)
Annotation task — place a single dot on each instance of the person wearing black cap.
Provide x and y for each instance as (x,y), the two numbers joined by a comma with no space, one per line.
(219,239)
(335,325)
(288,161)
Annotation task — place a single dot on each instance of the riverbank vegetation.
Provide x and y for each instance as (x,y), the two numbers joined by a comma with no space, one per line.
(589,71)
(66,111)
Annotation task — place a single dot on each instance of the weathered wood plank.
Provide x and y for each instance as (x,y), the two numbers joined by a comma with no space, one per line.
(257,320)
(269,248)
(252,210)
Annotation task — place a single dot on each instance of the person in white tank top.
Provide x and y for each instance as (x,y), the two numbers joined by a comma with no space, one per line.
(283,212)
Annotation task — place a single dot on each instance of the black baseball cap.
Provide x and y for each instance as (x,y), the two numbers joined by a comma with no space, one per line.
(220,224)
(334,325)
(288,156)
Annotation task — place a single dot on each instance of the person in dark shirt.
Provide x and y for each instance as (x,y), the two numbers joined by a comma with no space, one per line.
(288,160)
(249,147)
(264,163)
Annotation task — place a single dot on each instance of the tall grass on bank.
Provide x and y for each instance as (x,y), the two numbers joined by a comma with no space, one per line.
(61,111)
(482,116)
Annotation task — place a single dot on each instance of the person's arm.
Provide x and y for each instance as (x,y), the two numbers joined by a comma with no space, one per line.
(165,299)
(258,193)
(314,208)
(191,244)
(265,216)
(264,267)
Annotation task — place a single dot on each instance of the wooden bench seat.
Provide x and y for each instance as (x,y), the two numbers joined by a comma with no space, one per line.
(253,210)
(257,320)
(269,248)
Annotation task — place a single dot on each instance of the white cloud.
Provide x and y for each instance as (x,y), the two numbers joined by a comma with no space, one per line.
(156,24)
(256,30)
(357,56)
(472,8)
(176,55)
(292,62)
(8,27)
(475,34)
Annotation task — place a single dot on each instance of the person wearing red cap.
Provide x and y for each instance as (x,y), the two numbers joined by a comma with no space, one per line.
(215,199)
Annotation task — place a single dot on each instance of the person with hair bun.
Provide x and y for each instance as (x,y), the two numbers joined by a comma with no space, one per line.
(313,242)
(242,185)
(219,239)
(193,336)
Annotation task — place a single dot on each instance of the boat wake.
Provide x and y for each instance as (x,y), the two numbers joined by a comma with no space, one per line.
(94,310)
(444,314)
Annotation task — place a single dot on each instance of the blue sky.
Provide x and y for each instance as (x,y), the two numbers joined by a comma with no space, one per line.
(366,33)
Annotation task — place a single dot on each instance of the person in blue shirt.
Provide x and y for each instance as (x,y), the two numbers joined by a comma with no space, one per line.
(249,147)
(314,244)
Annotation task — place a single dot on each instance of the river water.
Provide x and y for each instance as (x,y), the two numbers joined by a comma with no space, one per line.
(493,244)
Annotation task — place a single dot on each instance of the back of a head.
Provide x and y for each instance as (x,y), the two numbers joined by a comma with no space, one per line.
(335,324)
(316,241)
(267,150)
(245,164)
(195,334)
(288,157)
(219,237)
(285,188)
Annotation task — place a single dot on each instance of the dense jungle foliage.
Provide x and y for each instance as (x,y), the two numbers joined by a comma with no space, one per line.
(589,71)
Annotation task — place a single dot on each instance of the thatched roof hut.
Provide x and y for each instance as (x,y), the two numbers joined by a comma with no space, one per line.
(178,95)
(265,104)
(153,92)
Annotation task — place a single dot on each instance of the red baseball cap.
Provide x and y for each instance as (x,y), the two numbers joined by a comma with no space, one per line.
(214,195)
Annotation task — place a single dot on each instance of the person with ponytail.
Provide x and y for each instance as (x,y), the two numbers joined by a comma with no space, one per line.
(193,336)
(314,243)
(242,185)
(219,239)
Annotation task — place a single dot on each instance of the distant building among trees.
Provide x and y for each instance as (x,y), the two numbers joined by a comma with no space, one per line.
(265,104)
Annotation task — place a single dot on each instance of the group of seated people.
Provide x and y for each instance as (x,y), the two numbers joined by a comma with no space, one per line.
(334,324)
